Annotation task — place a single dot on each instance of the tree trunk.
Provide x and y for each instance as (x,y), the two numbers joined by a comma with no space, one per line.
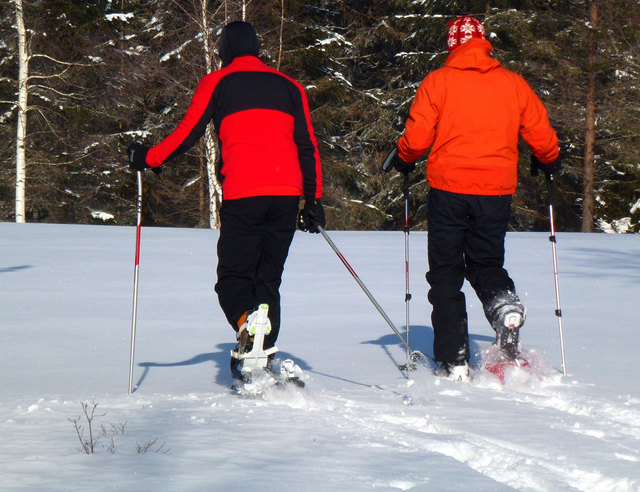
(215,189)
(211,148)
(281,34)
(588,198)
(23,73)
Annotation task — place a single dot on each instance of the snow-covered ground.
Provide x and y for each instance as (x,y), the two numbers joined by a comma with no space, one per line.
(65,320)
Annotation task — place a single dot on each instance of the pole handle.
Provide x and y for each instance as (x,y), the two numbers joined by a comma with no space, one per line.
(535,170)
(387,165)
(550,188)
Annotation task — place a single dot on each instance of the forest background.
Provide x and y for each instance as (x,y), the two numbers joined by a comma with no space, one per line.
(80,81)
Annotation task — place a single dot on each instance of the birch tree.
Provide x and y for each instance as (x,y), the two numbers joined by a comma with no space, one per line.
(210,140)
(201,14)
(29,81)
(21,133)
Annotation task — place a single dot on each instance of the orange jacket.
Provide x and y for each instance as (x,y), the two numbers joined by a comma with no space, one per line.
(470,112)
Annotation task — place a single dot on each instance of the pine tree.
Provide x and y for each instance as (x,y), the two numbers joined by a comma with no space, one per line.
(135,65)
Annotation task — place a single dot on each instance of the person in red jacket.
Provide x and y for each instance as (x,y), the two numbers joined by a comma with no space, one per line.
(471,113)
(269,159)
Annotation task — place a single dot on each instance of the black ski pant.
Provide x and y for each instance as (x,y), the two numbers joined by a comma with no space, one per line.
(466,236)
(255,235)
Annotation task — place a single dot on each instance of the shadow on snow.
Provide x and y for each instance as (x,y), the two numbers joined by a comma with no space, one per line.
(421,338)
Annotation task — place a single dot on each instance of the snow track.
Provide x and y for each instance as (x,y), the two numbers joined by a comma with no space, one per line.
(432,416)
(442,419)
(359,425)
(447,421)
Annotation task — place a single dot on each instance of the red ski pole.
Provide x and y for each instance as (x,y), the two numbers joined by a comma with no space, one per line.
(412,355)
(135,282)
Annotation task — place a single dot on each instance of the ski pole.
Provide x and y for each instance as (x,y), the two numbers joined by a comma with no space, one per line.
(366,291)
(135,282)
(387,165)
(535,165)
(407,296)
(552,238)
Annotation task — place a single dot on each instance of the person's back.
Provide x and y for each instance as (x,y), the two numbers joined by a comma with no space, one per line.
(262,122)
(265,139)
(479,110)
(471,113)
(482,108)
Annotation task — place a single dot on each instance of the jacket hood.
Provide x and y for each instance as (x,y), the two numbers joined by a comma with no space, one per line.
(237,39)
(473,55)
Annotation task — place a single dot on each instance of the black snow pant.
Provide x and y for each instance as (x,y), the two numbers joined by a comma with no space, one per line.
(255,235)
(466,236)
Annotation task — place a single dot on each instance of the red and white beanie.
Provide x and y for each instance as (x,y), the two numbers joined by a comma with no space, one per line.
(462,30)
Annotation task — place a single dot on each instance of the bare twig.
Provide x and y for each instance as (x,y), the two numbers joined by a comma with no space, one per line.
(143,448)
(71,64)
(88,445)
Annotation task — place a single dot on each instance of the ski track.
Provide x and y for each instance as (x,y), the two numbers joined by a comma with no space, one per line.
(416,418)
(427,415)
(518,465)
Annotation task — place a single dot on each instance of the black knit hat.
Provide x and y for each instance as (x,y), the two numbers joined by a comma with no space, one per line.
(237,39)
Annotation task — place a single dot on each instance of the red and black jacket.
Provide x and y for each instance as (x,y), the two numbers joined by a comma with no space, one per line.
(263,124)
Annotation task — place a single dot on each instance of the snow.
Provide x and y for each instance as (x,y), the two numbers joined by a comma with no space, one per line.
(119,17)
(137,133)
(619,226)
(334,37)
(359,424)
(98,214)
(177,51)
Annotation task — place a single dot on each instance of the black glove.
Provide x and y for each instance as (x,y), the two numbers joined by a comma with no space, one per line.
(402,166)
(311,216)
(137,156)
(549,169)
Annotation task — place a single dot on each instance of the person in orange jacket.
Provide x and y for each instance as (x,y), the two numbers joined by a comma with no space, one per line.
(471,113)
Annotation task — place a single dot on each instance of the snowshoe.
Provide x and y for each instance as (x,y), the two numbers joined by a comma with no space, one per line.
(290,372)
(508,335)
(501,368)
(508,342)
(249,354)
(506,314)
(253,367)
(276,374)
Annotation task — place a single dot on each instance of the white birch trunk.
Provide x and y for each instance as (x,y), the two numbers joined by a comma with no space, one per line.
(211,148)
(23,73)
